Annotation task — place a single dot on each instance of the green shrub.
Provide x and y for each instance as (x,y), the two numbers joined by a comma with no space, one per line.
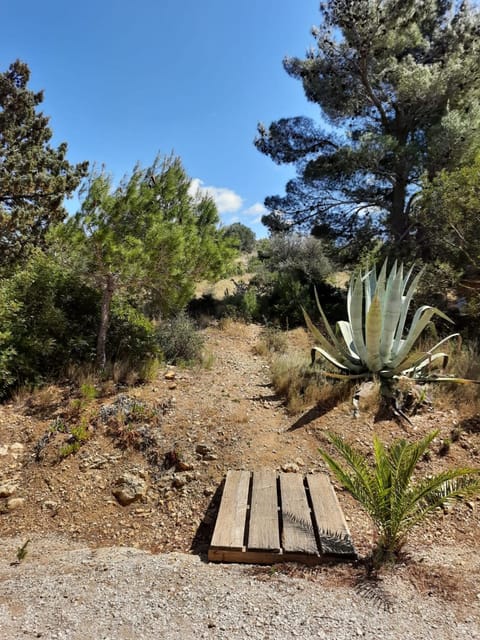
(48,318)
(180,340)
(389,491)
(132,337)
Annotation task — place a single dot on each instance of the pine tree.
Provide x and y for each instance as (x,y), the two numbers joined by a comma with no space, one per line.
(397,83)
(34,176)
(149,239)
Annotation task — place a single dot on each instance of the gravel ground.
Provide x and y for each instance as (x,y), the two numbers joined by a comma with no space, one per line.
(123,593)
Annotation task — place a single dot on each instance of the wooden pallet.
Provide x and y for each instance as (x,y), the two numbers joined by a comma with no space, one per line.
(267,517)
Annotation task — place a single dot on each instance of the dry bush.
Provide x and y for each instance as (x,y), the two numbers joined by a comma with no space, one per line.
(303,385)
(231,326)
(464,363)
(38,400)
(272,340)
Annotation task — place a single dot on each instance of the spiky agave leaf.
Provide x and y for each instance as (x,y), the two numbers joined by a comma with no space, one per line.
(373,342)
(355,317)
(391,314)
(373,334)
(422,317)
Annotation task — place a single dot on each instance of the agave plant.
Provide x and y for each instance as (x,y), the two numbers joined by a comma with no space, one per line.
(387,491)
(373,341)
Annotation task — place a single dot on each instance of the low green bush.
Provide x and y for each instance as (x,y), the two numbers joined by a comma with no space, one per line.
(179,339)
(48,318)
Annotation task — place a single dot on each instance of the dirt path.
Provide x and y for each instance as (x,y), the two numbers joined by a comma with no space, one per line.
(228,409)
(211,420)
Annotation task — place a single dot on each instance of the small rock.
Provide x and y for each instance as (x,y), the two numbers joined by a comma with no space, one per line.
(15,503)
(300,462)
(178,482)
(290,467)
(17,447)
(185,465)
(129,488)
(7,489)
(170,375)
(50,504)
(3,450)
(203,449)
(210,456)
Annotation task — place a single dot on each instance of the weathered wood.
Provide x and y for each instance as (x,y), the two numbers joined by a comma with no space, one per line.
(298,534)
(230,526)
(264,533)
(331,524)
(264,557)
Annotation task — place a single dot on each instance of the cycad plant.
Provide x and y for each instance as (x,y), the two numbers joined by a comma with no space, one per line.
(386,489)
(374,341)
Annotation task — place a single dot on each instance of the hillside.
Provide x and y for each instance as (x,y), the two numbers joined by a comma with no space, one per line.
(185,430)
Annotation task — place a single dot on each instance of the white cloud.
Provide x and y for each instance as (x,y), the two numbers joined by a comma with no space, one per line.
(227,201)
(256,209)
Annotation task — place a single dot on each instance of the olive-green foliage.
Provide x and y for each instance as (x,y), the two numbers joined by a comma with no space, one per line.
(387,490)
(243,236)
(180,340)
(289,267)
(132,336)
(149,238)
(449,214)
(48,318)
(34,176)
(397,87)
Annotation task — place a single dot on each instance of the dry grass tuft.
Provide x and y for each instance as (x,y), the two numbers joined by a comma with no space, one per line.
(464,363)
(39,400)
(272,340)
(301,385)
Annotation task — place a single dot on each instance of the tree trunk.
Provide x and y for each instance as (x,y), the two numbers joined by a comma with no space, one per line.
(398,216)
(107,294)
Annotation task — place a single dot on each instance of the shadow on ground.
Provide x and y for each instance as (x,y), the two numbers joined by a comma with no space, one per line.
(204,533)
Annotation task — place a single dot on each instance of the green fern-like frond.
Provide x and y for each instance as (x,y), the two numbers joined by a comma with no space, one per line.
(386,488)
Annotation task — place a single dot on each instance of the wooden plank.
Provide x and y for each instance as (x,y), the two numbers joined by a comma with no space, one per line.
(332,527)
(298,534)
(230,526)
(264,532)
(263,557)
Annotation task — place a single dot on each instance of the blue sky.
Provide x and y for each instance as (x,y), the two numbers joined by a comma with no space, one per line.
(125,80)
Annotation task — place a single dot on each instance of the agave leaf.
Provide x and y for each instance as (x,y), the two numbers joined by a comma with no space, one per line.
(349,298)
(336,363)
(405,306)
(369,286)
(435,378)
(381,283)
(346,331)
(338,345)
(422,317)
(356,318)
(391,314)
(339,355)
(317,334)
(347,376)
(426,360)
(373,330)
(439,344)
(414,361)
